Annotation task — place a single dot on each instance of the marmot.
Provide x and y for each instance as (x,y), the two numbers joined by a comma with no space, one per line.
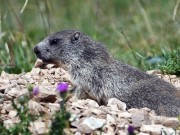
(100,77)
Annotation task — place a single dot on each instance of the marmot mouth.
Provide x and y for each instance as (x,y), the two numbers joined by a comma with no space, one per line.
(46,64)
(49,61)
(56,64)
(46,61)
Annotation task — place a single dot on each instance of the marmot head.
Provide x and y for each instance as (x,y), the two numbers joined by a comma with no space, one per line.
(69,47)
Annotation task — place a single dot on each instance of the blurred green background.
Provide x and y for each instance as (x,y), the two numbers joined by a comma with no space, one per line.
(139,32)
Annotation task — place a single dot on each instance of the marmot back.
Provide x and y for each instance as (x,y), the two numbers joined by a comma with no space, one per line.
(98,76)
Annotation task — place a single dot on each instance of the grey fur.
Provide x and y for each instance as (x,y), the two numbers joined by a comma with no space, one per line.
(98,76)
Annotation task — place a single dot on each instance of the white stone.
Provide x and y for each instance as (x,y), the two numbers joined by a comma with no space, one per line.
(35,71)
(153,72)
(12,114)
(157,130)
(77,133)
(125,115)
(114,102)
(110,119)
(92,103)
(94,123)
(45,82)
(8,123)
(3,111)
(40,127)
(171,122)
(143,133)
(97,111)
(13,92)
(38,63)
(58,73)
(52,71)
(73,117)
(166,121)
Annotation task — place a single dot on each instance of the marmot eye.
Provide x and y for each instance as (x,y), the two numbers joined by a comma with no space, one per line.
(54,41)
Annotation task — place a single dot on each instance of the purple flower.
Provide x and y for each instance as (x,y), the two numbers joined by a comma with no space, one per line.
(131,130)
(35,90)
(62,87)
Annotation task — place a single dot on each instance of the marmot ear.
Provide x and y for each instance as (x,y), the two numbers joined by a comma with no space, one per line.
(75,37)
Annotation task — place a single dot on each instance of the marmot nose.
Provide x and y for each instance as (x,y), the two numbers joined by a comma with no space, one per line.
(36,50)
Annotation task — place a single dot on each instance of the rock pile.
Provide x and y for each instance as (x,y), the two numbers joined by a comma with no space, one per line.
(87,117)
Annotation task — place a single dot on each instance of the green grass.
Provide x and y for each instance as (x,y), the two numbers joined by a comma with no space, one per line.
(148,26)
(171,63)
